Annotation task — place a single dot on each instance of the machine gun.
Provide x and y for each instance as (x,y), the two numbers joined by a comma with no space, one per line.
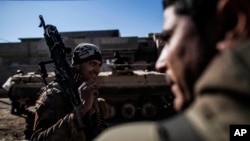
(64,74)
(65,77)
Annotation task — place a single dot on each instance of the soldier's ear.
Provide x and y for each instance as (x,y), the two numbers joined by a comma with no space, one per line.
(232,19)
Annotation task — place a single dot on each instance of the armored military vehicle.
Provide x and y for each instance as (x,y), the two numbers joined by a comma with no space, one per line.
(135,94)
(22,89)
(131,94)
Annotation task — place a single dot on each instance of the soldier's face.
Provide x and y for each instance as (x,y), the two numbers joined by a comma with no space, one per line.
(181,57)
(90,69)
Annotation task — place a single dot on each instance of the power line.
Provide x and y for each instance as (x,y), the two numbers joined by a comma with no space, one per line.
(2,39)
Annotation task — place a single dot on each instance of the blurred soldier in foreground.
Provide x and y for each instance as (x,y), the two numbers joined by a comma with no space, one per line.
(55,118)
(206,58)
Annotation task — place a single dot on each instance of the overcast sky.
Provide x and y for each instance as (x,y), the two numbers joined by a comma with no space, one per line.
(20,19)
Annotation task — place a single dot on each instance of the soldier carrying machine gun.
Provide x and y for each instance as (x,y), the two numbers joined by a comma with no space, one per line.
(68,107)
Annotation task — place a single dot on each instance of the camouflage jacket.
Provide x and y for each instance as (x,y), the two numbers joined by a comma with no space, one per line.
(53,121)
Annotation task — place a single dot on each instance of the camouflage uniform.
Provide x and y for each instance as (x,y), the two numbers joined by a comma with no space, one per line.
(53,121)
(223,96)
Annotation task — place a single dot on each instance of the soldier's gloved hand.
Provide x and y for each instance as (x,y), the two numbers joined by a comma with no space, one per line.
(87,91)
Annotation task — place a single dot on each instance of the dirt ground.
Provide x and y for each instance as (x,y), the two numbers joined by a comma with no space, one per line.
(14,127)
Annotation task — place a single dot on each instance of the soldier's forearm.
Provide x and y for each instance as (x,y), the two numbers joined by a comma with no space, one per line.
(62,130)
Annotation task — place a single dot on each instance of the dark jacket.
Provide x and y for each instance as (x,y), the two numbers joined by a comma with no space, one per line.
(53,121)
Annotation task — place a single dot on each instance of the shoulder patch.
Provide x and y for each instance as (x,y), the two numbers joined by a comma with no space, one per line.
(45,94)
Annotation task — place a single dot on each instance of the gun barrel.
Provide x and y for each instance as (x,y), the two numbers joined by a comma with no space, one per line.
(42,23)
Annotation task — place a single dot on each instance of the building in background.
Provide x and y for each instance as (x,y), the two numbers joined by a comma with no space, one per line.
(26,55)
